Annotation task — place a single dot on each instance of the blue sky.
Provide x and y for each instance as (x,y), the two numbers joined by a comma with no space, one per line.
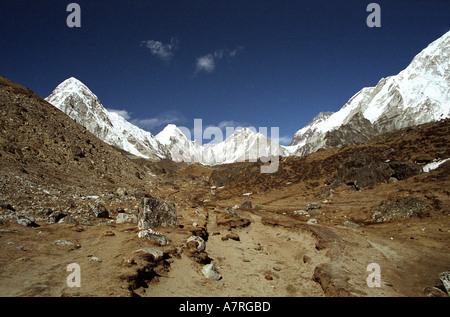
(274,63)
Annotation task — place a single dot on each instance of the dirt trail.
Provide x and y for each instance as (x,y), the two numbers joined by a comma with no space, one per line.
(266,261)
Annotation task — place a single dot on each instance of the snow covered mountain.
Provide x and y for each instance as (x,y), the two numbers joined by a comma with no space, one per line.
(82,105)
(243,144)
(418,94)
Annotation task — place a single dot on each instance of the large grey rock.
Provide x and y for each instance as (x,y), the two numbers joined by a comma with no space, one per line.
(154,213)
(360,170)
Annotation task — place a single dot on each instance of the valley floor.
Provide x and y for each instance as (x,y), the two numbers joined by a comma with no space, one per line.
(276,254)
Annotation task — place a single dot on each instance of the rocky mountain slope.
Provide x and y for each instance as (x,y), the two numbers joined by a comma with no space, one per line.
(77,101)
(44,153)
(418,94)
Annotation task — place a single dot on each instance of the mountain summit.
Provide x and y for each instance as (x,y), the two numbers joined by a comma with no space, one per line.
(418,94)
(82,105)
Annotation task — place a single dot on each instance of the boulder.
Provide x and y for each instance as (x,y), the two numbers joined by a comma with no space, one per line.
(155,213)
(360,170)
(404,170)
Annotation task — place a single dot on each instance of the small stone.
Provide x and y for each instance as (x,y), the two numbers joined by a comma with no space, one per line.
(154,236)
(351,224)
(445,278)
(24,222)
(232,236)
(126,218)
(312,221)
(247,204)
(198,241)
(64,242)
(55,216)
(392,180)
(210,272)
(316,211)
(99,211)
(94,259)
(127,262)
(156,254)
(230,211)
(109,233)
(68,219)
(306,259)
(268,277)
(311,206)
(276,268)
(121,191)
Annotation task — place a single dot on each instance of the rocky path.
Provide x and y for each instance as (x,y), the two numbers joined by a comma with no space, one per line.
(259,260)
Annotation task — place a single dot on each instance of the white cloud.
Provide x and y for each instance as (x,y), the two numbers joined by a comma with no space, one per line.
(208,62)
(284,140)
(158,121)
(123,113)
(205,63)
(163,51)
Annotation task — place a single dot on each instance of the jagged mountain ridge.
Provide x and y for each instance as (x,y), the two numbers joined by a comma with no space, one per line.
(418,94)
(82,105)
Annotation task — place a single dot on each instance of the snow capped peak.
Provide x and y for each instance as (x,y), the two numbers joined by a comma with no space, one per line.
(171,131)
(76,100)
(72,84)
(418,94)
